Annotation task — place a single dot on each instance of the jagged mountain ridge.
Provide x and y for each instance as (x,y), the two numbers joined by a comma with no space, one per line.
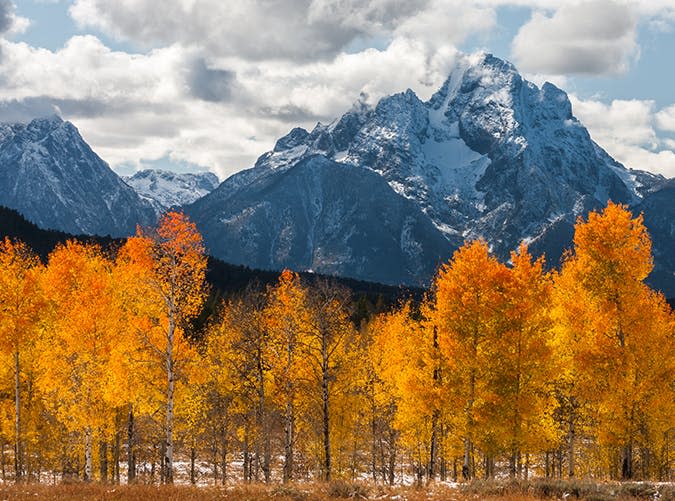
(50,175)
(165,189)
(490,156)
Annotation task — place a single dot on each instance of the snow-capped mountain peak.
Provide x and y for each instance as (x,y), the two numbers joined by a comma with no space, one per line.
(490,155)
(170,189)
(50,175)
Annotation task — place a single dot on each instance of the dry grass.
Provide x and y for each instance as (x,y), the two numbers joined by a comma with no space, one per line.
(294,492)
(335,491)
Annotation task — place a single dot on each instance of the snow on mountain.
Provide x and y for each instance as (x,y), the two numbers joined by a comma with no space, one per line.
(169,189)
(490,156)
(50,175)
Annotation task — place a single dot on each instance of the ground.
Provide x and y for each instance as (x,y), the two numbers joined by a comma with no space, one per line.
(601,491)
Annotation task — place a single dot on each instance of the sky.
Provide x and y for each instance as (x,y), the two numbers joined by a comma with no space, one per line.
(192,85)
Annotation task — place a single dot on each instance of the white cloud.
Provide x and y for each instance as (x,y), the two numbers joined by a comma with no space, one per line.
(627,130)
(665,119)
(203,89)
(220,114)
(216,83)
(591,37)
(10,23)
(271,29)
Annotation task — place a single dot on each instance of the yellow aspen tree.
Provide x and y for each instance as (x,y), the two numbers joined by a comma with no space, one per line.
(405,368)
(382,398)
(572,320)
(287,320)
(470,299)
(232,381)
(20,308)
(171,265)
(133,364)
(328,346)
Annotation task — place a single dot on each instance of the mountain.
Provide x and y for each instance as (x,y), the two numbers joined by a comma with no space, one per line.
(658,208)
(50,175)
(490,156)
(166,189)
(324,216)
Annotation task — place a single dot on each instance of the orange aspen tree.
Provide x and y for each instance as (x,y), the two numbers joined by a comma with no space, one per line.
(470,299)
(611,260)
(20,309)
(171,266)
(522,363)
(77,346)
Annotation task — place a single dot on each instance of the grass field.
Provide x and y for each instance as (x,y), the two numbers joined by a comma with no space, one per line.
(343,490)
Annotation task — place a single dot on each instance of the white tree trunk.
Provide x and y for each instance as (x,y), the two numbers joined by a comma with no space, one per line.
(87,455)
(168,455)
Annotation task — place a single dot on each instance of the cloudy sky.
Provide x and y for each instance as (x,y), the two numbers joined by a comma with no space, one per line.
(210,84)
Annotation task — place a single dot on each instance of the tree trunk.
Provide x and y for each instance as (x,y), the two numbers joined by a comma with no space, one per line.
(116,455)
(288,443)
(627,462)
(131,458)
(466,465)
(18,464)
(103,460)
(223,465)
(392,456)
(326,413)
(193,456)
(247,456)
(570,447)
(87,455)
(433,446)
(170,388)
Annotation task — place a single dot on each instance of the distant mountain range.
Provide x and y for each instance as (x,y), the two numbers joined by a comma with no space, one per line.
(383,193)
(166,189)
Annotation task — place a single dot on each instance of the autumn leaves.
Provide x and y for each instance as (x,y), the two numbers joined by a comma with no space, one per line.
(515,368)
(500,368)
(97,335)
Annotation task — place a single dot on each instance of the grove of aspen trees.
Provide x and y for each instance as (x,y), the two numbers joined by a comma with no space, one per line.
(500,370)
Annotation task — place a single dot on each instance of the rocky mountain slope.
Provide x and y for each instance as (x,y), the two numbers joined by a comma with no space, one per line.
(323,216)
(490,156)
(50,175)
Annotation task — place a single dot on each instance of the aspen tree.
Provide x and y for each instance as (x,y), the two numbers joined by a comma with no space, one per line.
(21,306)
